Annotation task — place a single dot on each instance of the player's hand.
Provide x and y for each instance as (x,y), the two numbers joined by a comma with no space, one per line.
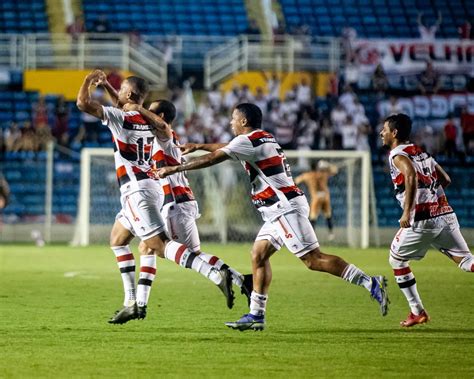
(128,107)
(153,174)
(405,221)
(96,77)
(188,148)
(167,171)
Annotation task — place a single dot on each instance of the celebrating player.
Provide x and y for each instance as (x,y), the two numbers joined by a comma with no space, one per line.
(141,199)
(427,218)
(317,183)
(283,207)
(180,209)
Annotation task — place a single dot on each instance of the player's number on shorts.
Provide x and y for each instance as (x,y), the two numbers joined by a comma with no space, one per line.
(286,166)
(144,149)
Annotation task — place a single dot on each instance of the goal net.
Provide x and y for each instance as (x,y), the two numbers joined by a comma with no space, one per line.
(222,191)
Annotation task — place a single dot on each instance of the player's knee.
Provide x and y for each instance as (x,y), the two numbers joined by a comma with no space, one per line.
(312,259)
(396,264)
(467,264)
(144,249)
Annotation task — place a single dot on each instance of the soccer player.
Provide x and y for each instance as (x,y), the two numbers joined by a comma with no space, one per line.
(141,198)
(180,208)
(317,183)
(283,207)
(427,218)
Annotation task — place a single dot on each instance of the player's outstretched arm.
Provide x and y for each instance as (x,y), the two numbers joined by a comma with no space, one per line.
(443,177)
(160,128)
(406,168)
(201,162)
(84,100)
(191,147)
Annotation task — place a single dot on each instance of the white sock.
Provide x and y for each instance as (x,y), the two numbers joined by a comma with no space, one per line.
(147,275)
(179,254)
(467,264)
(354,275)
(126,264)
(407,283)
(258,304)
(237,277)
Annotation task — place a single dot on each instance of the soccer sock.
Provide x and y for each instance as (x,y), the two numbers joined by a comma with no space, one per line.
(330,224)
(258,304)
(179,254)
(126,264)
(146,277)
(237,277)
(467,264)
(407,283)
(354,275)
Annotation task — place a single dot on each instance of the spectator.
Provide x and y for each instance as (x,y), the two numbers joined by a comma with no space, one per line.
(260,101)
(101,24)
(467,126)
(4,192)
(326,135)
(273,86)
(428,33)
(12,137)
(450,134)
(43,136)
(347,98)
(252,29)
(215,98)
(349,133)
(61,124)
(40,112)
(464,30)
(349,36)
(428,82)
(232,97)
(379,80)
(76,28)
(338,115)
(303,93)
(114,78)
(27,141)
(394,106)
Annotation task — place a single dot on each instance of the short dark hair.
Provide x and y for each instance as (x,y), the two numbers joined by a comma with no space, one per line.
(402,123)
(139,85)
(252,113)
(167,108)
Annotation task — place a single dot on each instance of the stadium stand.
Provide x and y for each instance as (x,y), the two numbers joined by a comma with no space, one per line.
(180,17)
(374,18)
(23,16)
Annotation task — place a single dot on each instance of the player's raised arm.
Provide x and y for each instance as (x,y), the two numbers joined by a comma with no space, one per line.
(191,147)
(112,92)
(406,168)
(201,162)
(84,100)
(161,129)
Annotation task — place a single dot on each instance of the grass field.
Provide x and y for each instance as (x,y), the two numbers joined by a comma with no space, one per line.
(55,303)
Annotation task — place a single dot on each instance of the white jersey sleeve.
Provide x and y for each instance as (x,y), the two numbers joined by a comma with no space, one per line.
(240,148)
(113,118)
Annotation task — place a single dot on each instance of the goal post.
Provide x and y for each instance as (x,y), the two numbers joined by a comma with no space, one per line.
(222,191)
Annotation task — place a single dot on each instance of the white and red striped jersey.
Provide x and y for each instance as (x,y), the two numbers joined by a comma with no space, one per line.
(430,201)
(273,190)
(133,141)
(176,187)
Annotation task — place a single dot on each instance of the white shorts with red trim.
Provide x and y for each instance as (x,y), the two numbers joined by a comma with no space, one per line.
(293,229)
(140,213)
(445,235)
(181,224)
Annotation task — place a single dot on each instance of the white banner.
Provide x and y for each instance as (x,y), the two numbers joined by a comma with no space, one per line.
(409,56)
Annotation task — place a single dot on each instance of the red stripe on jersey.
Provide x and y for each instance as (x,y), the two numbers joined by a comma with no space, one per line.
(150,270)
(126,257)
(178,190)
(399,179)
(265,194)
(121,171)
(413,150)
(213,260)
(269,162)
(127,147)
(401,271)
(289,189)
(135,119)
(158,156)
(425,179)
(260,134)
(179,253)
(167,189)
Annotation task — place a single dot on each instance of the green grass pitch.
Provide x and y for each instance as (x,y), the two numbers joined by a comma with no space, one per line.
(55,303)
